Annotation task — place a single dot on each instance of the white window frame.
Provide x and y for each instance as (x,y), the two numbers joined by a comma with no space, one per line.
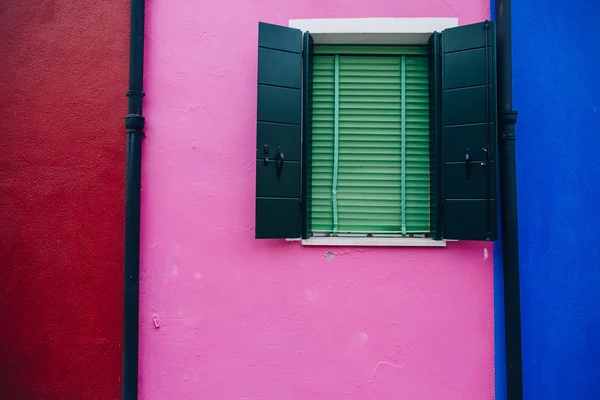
(372,31)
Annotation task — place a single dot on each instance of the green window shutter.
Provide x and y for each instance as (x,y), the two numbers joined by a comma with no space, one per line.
(370,144)
(358,162)
(469,132)
(279,144)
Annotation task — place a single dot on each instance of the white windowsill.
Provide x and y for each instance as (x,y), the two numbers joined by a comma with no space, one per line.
(371,242)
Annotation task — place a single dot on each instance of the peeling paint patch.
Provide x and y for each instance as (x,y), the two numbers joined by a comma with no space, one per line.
(156,323)
(359,340)
(329,255)
(486,254)
(383,363)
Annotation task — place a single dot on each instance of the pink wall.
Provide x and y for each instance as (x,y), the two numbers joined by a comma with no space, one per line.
(224,316)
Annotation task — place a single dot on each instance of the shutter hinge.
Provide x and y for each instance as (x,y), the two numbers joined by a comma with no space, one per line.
(486,151)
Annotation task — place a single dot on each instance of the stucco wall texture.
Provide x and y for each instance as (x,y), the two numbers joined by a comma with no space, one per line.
(557,94)
(224,316)
(62,157)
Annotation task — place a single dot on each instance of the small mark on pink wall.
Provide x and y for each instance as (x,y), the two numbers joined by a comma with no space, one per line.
(310,295)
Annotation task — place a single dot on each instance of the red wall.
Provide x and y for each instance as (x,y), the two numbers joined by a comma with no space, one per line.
(62,166)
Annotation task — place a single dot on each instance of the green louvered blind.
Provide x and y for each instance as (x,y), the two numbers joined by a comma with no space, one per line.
(370,140)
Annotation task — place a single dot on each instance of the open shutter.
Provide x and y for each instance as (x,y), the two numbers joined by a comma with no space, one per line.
(278,133)
(469,132)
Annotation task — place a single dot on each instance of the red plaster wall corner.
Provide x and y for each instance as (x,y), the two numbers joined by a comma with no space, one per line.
(62,170)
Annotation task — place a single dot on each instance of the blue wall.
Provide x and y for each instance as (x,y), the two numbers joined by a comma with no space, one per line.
(556,69)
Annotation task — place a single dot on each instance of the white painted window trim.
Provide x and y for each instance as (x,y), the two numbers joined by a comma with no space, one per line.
(361,31)
(373,31)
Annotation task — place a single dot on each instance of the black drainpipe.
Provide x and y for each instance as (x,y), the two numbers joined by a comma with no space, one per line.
(134,125)
(508,190)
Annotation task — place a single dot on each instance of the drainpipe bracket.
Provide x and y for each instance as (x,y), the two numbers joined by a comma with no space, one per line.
(508,117)
(507,120)
(135,93)
(134,123)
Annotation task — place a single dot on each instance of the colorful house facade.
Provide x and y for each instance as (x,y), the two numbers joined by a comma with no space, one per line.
(557,101)
(299,161)
(224,315)
(62,181)
(230,316)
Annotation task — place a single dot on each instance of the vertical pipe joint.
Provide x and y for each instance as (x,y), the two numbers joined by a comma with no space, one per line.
(507,120)
(134,123)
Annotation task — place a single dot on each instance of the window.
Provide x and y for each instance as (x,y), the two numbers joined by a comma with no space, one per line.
(370,141)
(376,140)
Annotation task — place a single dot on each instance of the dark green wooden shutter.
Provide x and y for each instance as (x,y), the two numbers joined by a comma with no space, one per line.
(435,115)
(469,132)
(278,133)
